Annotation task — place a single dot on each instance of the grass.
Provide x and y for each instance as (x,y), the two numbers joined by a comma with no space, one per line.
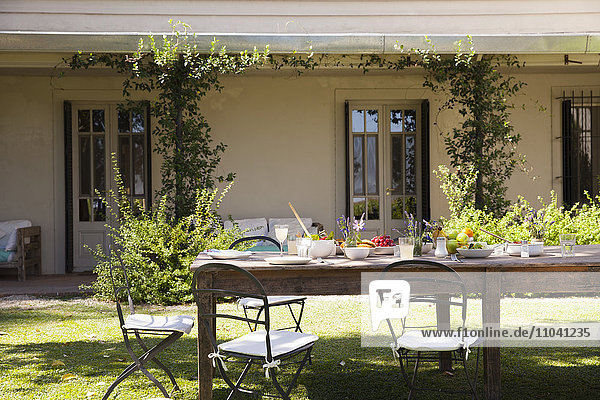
(72,349)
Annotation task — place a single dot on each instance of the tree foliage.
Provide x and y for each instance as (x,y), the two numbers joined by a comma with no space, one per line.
(178,75)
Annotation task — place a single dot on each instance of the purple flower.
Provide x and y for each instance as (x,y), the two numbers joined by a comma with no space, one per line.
(358,225)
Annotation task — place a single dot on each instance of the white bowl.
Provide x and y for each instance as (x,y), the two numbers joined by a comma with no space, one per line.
(357,253)
(384,250)
(514,249)
(426,247)
(475,253)
(321,248)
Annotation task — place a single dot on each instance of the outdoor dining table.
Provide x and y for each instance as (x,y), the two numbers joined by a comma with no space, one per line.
(341,276)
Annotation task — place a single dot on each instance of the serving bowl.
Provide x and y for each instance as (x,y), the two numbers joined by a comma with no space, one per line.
(321,248)
(514,249)
(357,253)
(426,247)
(475,253)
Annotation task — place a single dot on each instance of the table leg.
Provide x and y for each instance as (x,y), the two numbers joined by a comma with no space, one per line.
(491,353)
(205,369)
(442,313)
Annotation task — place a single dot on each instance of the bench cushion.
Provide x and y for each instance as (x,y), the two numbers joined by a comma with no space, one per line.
(9,241)
(254,226)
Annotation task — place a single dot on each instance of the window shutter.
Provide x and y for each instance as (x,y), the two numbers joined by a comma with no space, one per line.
(569,197)
(68,142)
(347,156)
(425,167)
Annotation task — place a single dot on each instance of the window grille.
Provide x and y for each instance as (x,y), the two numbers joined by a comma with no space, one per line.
(580,145)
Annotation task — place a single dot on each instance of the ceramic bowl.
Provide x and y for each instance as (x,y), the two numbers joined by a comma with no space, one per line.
(356,253)
(321,248)
(426,247)
(514,249)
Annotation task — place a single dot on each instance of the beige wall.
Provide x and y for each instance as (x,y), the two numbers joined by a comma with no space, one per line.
(284,133)
(285,16)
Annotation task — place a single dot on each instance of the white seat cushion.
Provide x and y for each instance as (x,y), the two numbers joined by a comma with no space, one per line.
(294,226)
(273,301)
(254,344)
(253,226)
(9,240)
(176,323)
(414,340)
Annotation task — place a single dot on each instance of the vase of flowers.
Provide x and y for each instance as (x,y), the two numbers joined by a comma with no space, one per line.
(413,229)
(350,230)
(537,225)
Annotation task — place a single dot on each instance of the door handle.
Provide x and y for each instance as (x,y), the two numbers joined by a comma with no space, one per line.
(387,191)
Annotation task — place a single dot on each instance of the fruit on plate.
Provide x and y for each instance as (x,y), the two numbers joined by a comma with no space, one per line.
(383,241)
(462,238)
(367,243)
(468,231)
(452,234)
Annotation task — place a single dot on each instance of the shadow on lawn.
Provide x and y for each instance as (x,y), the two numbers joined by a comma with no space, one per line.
(367,373)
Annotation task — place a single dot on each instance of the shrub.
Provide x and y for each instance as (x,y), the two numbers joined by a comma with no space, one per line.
(157,250)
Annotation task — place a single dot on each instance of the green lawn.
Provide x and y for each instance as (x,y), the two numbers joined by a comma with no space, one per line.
(72,349)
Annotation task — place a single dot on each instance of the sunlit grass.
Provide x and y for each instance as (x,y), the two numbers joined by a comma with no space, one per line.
(42,335)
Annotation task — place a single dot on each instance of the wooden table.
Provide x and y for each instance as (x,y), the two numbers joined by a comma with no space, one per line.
(343,277)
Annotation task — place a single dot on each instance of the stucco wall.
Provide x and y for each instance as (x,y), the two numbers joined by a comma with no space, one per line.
(284,135)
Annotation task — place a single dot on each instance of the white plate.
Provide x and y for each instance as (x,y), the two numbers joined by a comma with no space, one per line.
(228,254)
(384,250)
(288,260)
(475,253)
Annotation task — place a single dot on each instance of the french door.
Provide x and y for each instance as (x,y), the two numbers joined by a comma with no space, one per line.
(384,164)
(98,132)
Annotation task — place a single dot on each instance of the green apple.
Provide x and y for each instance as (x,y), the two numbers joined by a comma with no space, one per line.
(462,238)
(452,233)
(451,246)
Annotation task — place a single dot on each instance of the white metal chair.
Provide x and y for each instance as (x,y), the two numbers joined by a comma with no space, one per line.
(268,349)
(172,327)
(254,304)
(433,285)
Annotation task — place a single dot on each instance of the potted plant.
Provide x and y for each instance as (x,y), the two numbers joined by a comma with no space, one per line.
(537,225)
(351,233)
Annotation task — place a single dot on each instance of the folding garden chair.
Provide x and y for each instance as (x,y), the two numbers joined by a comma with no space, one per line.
(173,327)
(433,286)
(268,349)
(250,303)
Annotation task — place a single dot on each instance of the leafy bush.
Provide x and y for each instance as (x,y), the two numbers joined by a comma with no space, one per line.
(158,251)
(522,220)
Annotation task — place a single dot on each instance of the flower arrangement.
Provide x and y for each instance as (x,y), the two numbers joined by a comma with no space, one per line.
(351,229)
(536,223)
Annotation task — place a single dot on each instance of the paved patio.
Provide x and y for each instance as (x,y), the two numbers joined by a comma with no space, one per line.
(46,285)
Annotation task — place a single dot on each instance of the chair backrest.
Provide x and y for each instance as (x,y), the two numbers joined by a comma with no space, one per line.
(249,287)
(249,238)
(430,283)
(120,284)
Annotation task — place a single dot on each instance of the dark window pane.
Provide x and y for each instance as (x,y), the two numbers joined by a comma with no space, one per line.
(397,208)
(85,162)
(137,122)
(396,121)
(397,158)
(411,205)
(138,206)
(372,120)
(410,120)
(124,122)
(372,209)
(138,165)
(98,120)
(99,210)
(358,165)
(358,206)
(83,120)
(99,164)
(372,165)
(358,121)
(411,169)
(85,209)
(125,162)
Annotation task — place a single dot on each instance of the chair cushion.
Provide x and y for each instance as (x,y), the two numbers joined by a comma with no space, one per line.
(282,343)
(254,226)
(273,301)
(294,226)
(415,340)
(175,323)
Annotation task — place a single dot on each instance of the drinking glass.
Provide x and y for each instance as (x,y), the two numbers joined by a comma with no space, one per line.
(406,245)
(303,245)
(292,244)
(281,232)
(567,244)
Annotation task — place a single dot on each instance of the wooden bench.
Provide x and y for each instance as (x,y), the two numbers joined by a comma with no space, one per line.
(29,252)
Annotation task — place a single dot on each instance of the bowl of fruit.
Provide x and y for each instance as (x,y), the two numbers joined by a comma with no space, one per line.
(383,244)
(475,250)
